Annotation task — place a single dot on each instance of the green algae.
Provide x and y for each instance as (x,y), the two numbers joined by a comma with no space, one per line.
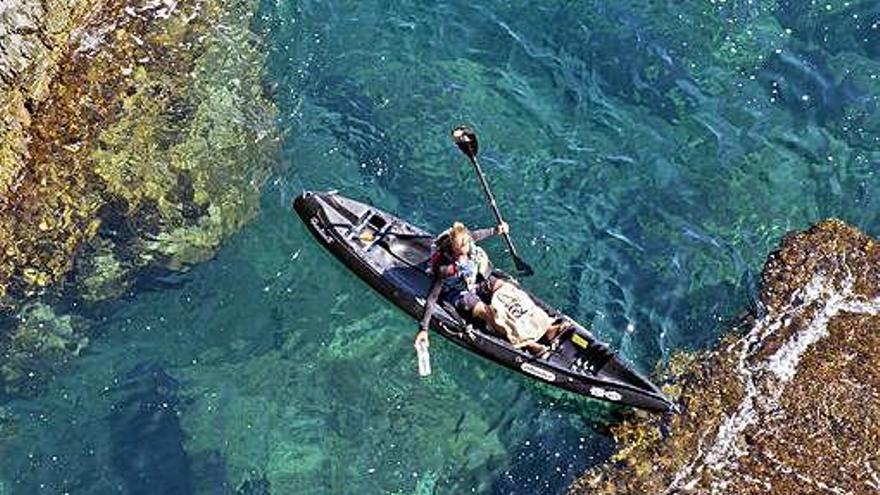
(609,279)
(167,162)
(207,139)
(105,276)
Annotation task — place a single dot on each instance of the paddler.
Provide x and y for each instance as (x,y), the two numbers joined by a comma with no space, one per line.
(462,275)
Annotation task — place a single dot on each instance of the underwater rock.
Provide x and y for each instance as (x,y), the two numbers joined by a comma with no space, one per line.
(147,439)
(8,427)
(140,124)
(259,486)
(135,137)
(40,342)
(104,274)
(791,406)
(209,474)
(302,414)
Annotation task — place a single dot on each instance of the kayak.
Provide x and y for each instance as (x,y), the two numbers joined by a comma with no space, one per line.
(392,255)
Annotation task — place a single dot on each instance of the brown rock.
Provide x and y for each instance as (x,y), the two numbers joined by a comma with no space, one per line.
(790,406)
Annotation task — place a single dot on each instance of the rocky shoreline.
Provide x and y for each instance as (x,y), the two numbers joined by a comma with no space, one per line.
(790,403)
(135,135)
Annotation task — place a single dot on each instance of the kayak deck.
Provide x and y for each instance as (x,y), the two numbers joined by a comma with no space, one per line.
(392,256)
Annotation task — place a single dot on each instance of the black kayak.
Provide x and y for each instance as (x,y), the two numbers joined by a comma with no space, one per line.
(392,256)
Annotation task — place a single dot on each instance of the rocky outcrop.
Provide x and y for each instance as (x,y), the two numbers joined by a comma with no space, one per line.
(33,38)
(136,134)
(791,406)
(147,145)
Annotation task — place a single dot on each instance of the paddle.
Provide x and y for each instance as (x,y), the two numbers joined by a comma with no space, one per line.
(466,140)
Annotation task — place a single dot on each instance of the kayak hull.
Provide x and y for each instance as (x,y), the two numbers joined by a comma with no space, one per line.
(391,256)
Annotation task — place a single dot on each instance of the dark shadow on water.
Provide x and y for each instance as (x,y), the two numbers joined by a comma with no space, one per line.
(551,455)
(146,436)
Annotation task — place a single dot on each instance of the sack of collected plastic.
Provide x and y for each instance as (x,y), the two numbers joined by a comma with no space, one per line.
(517,317)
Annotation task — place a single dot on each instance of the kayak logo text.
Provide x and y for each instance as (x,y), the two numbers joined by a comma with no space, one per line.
(539,372)
(608,394)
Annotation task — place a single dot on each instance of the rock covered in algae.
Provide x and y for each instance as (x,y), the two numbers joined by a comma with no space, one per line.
(33,37)
(791,406)
(142,124)
(135,134)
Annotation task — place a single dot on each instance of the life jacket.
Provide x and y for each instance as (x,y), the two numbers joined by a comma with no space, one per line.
(477,264)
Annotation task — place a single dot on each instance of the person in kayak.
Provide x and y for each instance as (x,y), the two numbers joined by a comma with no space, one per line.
(463,276)
(460,273)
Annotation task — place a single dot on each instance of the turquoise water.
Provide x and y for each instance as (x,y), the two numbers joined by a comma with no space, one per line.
(648,156)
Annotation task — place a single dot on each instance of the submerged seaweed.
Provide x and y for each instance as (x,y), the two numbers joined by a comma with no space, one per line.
(170,151)
(647,156)
(37,344)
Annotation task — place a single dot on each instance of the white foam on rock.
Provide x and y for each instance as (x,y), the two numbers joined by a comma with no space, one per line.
(784,362)
(820,301)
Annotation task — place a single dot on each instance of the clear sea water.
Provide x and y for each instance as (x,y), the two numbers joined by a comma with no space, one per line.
(648,156)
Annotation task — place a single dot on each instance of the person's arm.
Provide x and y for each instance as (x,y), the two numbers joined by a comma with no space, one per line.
(482,234)
(430,304)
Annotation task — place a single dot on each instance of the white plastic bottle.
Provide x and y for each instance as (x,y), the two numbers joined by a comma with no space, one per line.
(424,358)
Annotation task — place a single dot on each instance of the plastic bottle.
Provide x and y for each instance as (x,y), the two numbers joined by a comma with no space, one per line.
(424,358)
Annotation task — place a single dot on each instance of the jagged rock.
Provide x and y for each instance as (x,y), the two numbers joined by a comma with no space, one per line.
(32,39)
(791,406)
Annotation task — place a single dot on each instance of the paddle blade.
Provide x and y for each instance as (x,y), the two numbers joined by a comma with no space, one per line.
(524,269)
(466,140)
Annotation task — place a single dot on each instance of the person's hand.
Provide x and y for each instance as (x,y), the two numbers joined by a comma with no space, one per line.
(503,228)
(422,336)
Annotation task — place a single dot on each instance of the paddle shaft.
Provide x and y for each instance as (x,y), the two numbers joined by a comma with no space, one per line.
(466,140)
(494,206)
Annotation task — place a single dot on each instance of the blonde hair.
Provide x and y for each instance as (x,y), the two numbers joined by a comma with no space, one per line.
(459,236)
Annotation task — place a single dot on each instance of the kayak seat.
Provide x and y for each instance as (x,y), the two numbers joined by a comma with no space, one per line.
(410,252)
